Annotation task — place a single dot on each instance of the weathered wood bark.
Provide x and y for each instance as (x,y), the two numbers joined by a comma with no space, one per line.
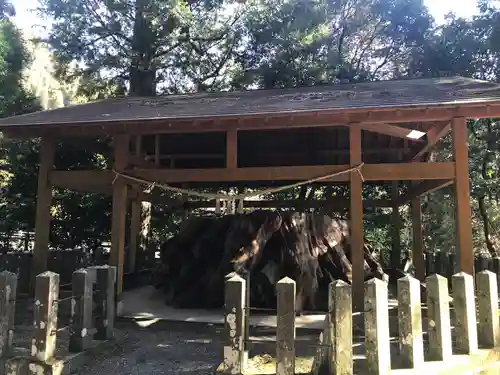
(312,249)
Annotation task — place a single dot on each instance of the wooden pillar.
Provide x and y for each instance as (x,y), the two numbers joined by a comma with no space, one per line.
(232,149)
(43,205)
(438,311)
(43,345)
(356,220)
(285,327)
(395,259)
(339,334)
(240,208)
(411,339)
(418,242)
(135,219)
(157,150)
(8,291)
(121,151)
(185,199)
(105,302)
(81,311)
(462,196)
(135,228)
(487,309)
(234,353)
(465,313)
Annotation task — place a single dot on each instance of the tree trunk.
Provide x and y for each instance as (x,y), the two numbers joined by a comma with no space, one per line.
(310,248)
(142,73)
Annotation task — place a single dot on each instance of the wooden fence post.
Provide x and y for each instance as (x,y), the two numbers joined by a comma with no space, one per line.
(429,264)
(451,268)
(105,300)
(411,341)
(81,313)
(378,356)
(482,263)
(8,289)
(340,328)
(443,262)
(438,317)
(234,353)
(465,313)
(285,331)
(230,275)
(45,322)
(487,306)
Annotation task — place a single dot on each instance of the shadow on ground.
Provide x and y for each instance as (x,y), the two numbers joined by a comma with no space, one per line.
(159,348)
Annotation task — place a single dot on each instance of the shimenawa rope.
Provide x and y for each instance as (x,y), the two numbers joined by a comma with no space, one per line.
(237,196)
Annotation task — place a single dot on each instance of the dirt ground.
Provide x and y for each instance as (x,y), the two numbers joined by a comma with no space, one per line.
(178,348)
(160,348)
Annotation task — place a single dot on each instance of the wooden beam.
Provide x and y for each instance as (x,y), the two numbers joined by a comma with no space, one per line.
(232,149)
(424,188)
(119,210)
(462,196)
(356,219)
(418,242)
(147,161)
(393,131)
(434,135)
(331,117)
(335,204)
(132,193)
(370,172)
(43,205)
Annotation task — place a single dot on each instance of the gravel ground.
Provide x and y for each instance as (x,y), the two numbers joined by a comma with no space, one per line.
(161,348)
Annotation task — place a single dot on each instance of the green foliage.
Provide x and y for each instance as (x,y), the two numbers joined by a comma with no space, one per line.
(78,219)
(14,99)
(136,46)
(305,43)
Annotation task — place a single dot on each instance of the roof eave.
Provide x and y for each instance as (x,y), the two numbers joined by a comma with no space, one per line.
(271,120)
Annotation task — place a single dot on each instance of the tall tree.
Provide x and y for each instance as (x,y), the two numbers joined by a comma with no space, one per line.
(14,99)
(141,46)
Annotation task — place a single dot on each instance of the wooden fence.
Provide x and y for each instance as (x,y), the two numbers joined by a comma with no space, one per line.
(472,321)
(445,264)
(44,357)
(62,262)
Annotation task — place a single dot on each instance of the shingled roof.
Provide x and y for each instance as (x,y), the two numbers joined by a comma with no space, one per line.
(371,95)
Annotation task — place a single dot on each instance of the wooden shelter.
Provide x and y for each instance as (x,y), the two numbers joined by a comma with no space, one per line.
(380,131)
